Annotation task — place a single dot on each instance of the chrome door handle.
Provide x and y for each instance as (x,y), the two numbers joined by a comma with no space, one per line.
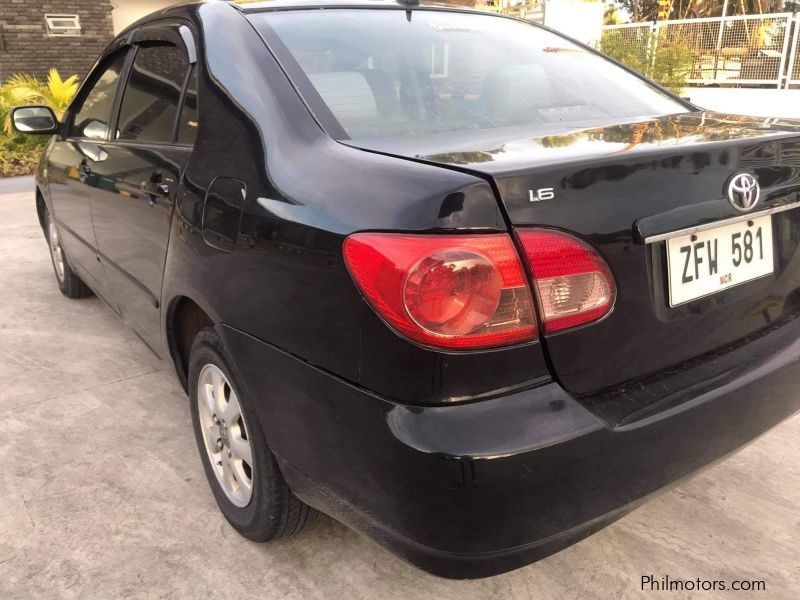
(154,190)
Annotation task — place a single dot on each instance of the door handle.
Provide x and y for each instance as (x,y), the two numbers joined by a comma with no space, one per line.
(84,171)
(154,190)
(161,189)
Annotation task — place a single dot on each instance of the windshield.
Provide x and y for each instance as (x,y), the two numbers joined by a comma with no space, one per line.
(400,73)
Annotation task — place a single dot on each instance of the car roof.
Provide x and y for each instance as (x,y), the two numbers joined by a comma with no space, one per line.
(249,6)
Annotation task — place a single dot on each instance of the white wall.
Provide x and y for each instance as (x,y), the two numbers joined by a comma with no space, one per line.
(745,101)
(128,11)
(579,19)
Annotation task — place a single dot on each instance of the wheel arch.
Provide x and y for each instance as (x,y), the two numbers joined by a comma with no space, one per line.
(41,206)
(185,319)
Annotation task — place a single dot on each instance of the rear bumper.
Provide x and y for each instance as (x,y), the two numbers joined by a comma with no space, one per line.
(477,489)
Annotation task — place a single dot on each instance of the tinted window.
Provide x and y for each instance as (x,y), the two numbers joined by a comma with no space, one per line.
(187,126)
(152,95)
(404,73)
(94,113)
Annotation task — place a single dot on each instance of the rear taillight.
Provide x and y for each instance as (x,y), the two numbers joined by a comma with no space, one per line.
(447,291)
(573,283)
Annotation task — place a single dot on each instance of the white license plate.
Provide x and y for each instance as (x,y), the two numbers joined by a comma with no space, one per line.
(715,259)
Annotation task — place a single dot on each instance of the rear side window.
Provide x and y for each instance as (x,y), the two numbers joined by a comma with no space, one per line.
(152,96)
(406,73)
(187,125)
(94,113)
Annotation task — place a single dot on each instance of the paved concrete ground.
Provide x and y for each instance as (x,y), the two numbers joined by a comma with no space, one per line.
(102,494)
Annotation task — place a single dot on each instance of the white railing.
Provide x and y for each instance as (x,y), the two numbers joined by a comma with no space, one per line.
(793,69)
(742,50)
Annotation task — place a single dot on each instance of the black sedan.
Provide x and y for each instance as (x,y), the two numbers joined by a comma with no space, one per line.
(465,285)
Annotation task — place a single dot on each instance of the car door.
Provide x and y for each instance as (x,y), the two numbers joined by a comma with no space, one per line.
(144,159)
(72,169)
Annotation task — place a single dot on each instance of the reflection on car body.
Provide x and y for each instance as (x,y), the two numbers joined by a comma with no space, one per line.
(413,267)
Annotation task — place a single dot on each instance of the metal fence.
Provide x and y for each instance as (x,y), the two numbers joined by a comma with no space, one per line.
(633,36)
(532,10)
(743,50)
(793,71)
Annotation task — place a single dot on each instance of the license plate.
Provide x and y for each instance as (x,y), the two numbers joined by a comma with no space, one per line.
(708,261)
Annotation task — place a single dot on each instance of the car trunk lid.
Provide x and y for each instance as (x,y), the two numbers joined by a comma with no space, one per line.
(621,188)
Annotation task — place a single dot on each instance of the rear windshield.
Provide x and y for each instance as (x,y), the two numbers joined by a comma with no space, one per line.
(399,73)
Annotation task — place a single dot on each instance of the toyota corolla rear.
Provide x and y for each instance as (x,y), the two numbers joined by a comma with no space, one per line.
(646,269)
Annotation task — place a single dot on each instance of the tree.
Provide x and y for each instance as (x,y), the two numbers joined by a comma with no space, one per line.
(647,10)
(640,10)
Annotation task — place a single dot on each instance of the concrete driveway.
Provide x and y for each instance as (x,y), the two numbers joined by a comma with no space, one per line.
(102,494)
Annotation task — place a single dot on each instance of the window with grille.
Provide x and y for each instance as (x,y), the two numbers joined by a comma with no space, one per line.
(62,25)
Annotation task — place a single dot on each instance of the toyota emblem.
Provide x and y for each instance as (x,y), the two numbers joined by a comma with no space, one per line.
(743,192)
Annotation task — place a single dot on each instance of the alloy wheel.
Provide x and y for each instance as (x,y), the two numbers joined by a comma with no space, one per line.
(55,249)
(225,434)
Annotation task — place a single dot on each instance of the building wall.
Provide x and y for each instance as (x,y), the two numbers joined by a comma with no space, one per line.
(26,47)
(128,11)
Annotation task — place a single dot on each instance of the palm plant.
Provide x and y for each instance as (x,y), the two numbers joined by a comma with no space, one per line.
(9,98)
(56,93)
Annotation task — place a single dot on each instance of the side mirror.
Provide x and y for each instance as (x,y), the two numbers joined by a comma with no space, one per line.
(34,119)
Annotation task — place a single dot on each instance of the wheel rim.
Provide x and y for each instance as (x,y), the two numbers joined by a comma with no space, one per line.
(225,434)
(55,249)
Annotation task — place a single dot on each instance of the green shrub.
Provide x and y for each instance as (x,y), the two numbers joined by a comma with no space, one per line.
(664,60)
(19,154)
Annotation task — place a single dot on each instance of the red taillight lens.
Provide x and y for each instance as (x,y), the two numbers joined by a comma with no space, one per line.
(573,283)
(447,291)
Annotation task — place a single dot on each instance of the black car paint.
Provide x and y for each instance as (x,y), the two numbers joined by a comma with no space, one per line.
(466,463)
(479,489)
(615,186)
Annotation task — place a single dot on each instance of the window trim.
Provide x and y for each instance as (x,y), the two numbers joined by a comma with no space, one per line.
(170,31)
(133,51)
(176,126)
(149,33)
(129,45)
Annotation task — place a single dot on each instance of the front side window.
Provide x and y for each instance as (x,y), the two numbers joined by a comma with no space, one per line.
(94,113)
(152,96)
(388,73)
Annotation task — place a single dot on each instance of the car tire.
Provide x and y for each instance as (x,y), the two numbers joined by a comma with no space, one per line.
(68,281)
(254,498)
